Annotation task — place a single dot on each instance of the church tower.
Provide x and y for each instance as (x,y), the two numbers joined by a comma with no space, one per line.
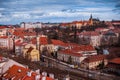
(91,20)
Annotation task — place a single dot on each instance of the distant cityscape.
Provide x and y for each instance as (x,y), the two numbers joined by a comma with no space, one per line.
(77,50)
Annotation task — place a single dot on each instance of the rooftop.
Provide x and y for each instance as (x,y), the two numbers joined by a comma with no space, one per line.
(70,52)
(116,61)
(94,58)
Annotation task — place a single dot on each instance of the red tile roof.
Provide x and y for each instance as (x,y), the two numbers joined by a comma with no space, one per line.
(22,33)
(58,42)
(18,43)
(94,58)
(77,22)
(43,40)
(90,33)
(33,40)
(64,24)
(83,48)
(15,72)
(99,29)
(70,52)
(116,61)
(32,77)
(117,30)
(4,37)
(3,27)
(71,44)
(48,78)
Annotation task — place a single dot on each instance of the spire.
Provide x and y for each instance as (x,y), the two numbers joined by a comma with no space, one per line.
(91,20)
(90,16)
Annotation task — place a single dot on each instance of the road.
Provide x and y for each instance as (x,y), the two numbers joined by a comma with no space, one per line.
(95,75)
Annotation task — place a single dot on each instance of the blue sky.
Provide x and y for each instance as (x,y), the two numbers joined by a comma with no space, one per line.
(16,11)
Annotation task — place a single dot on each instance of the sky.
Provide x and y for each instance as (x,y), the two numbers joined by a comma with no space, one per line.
(16,11)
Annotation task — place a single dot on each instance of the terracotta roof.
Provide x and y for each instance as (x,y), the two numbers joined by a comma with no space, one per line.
(64,24)
(29,33)
(4,37)
(18,43)
(3,27)
(116,30)
(32,77)
(94,58)
(22,33)
(83,48)
(15,72)
(19,33)
(33,40)
(116,61)
(48,78)
(77,22)
(23,44)
(71,44)
(58,42)
(70,52)
(99,29)
(89,33)
(43,40)
(19,29)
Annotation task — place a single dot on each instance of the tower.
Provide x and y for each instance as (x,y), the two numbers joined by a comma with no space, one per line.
(91,20)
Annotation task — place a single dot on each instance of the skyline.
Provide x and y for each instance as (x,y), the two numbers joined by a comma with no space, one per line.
(16,11)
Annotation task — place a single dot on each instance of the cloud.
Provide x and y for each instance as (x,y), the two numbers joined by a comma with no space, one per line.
(1,9)
(57,10)
(117,7)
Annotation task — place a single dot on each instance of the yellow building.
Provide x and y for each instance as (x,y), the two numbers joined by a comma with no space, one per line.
(30,53)
(94,62)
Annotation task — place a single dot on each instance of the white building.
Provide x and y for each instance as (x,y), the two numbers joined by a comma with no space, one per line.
(6,63)
(6,42)
(92,37)
(30,25)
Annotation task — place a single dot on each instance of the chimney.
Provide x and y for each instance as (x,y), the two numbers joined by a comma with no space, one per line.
(44,73)
(37,77)
(29,73)
(43,78)
(19,70)
(38,71)
(51,75)
(67,78)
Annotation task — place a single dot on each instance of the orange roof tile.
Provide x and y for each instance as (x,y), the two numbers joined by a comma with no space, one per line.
(72,44)
(94,58)
(70,52)
(33,40)
(32,77)
(83,48)
(18,43)
(47,78)
(3,27)
(58,42)
(43,40)
(16,72)
(116,61)
(4,37)
(89,33)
